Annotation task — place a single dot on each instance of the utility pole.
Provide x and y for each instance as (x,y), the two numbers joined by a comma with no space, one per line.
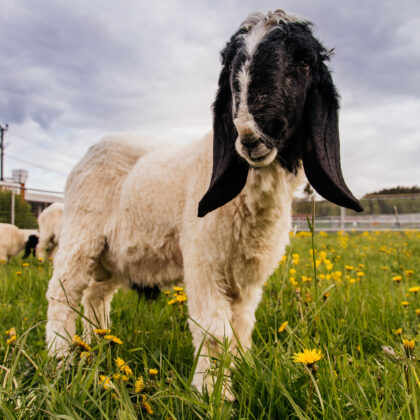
(3,129)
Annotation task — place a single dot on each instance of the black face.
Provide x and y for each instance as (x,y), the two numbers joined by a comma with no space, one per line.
(280,73)
(30,246)
(276,101)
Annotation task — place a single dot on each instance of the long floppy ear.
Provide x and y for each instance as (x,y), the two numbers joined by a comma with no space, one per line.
(229,170)
(321,145)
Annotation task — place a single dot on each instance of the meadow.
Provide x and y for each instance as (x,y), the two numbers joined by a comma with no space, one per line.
(352,299)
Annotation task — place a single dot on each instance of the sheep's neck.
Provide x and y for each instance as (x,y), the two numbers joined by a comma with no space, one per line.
(264,203)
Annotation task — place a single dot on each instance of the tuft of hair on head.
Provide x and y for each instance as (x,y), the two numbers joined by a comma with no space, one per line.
(270,19)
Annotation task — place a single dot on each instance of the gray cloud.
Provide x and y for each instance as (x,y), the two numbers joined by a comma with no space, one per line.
(72,72)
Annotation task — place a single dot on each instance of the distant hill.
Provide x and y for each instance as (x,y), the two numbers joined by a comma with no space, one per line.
(396,190)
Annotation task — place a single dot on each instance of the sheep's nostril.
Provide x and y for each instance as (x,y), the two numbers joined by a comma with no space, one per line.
(249,142)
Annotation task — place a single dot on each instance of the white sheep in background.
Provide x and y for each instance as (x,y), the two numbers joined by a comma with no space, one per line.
(131,212)
(14,240)
(49,222)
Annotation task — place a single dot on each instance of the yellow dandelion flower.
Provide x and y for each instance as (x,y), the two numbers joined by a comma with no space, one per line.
(326,295)
(139,385)
(414,289)
(113,338)
(352,281)
(11,340)
(409,273)
(153,372)
(308,357)
(12,331)
(283,326)
(349,267)
(404,303)
(293,281)
(146,406)
(40,259)
(418,311)
(18,273)
(292,271)
(181,298)
(101,331)
(80,343)
(104,381)
(178,289)
(398,331)
(360,274)
(172,301)
(25,264)
(123,366)
(167,292)
(409,344)
(385,268)
(396,279)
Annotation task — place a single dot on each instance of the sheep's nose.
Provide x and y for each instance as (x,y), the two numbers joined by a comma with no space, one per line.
(245,129)
(249,142)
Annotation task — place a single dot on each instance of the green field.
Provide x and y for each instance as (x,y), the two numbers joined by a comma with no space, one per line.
(360,302)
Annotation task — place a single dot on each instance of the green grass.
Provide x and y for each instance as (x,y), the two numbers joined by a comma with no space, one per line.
(354,379)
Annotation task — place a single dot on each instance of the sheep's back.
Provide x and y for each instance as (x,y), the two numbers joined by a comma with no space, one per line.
(12,240)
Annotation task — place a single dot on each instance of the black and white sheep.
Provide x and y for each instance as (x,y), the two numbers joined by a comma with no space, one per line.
(14,240)
(131,210)
(49,222)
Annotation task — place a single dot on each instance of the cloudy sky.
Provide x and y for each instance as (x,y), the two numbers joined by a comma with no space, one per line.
(73,71)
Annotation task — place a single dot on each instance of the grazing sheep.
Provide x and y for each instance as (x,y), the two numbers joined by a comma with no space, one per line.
(13,240)
(49,222)
(131,210)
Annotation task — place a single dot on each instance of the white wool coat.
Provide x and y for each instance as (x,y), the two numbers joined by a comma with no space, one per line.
(131,217)
(49,222)
(12,240)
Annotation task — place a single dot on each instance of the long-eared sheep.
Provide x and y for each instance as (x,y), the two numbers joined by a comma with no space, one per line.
(131,211)
(14,240)
(49,222)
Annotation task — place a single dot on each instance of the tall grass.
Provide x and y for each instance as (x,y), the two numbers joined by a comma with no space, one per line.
(354,316)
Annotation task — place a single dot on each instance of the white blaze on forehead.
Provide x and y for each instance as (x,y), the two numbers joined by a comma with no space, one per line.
(244,120)
(257,25)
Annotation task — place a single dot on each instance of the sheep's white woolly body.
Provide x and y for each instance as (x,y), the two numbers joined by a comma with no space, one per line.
(131,217)
(49,222)
(12,240)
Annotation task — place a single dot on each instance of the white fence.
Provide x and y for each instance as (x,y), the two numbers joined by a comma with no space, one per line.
(361,223)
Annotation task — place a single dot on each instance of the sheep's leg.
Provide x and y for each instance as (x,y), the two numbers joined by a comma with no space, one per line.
(210,323)
(96,301)
(72,273)
(243,316)
(41,248)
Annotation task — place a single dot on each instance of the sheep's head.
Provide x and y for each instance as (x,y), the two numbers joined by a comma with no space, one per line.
(276,100)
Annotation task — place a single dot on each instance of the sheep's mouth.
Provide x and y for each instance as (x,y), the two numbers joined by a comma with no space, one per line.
(258,156)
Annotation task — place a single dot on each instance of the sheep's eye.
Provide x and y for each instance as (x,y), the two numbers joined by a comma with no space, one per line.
(304,64)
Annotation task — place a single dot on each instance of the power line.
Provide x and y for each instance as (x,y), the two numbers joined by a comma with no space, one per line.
(20,135)
(36,165)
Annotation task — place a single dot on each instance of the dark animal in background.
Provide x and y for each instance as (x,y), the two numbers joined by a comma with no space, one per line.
(30,246)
